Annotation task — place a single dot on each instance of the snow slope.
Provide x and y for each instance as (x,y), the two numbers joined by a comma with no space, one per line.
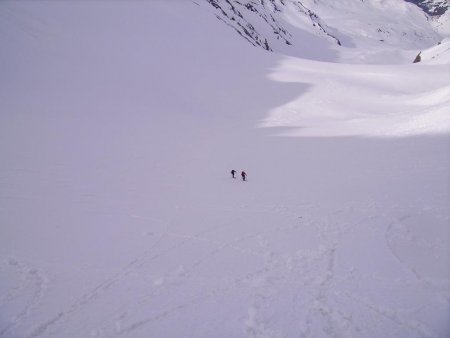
(439,54)
(347,100)
(387,32)
(118,215)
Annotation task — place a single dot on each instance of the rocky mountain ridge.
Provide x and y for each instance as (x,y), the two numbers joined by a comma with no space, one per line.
(432,7)
(286,26)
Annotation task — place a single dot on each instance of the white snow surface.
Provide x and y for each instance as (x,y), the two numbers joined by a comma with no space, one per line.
(442,23)
(437,54)
(119,125)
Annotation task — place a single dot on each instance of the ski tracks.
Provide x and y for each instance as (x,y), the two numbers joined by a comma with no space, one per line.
(30,285)
(317,281)
(134,265)
(301,278)
(98,290)
(217,247)
(307,278)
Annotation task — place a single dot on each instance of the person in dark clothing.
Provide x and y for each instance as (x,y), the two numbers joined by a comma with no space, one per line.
(244,175)
(233,172)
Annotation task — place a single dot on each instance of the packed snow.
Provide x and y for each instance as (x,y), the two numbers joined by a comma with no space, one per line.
(119,125)
(438,54)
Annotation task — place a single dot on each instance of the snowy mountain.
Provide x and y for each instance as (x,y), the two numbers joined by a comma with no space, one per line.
(432,7)
(120,122)
(262,21)
(289,27)
(438,12)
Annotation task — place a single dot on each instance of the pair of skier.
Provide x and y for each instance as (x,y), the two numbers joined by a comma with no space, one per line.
(243,174)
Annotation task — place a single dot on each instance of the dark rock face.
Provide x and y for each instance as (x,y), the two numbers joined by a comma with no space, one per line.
(243,15)
(263,23)
(432,7)
(418,58)
(234,13)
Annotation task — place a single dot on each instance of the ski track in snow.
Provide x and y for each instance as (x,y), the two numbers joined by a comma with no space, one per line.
(32,283)
(266,283)
(246,279)
(146,258)
(132,266)
(439,289)
(103,287)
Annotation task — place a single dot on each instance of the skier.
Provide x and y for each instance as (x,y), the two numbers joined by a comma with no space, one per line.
(233,172)
(244,175)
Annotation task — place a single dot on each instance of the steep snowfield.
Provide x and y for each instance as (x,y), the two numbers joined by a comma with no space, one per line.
(119,124)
